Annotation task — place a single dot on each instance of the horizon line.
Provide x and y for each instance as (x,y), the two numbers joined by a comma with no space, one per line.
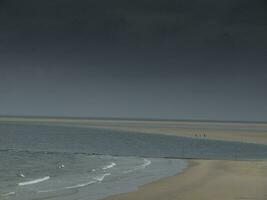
(130,119)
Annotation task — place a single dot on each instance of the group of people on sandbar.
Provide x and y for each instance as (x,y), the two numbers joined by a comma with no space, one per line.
(200,135)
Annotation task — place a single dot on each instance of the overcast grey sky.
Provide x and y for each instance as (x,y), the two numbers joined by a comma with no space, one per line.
(179,59)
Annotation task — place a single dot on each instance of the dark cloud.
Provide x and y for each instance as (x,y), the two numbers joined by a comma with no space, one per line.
(164,59)
(184,23)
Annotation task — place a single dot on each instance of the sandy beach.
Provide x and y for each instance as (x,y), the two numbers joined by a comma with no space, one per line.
(208,179)
(203,179)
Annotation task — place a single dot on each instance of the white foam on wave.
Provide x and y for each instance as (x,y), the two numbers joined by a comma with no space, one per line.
(98,178)
(101,177)
(146,163)
(143,166)
(21,175)
(61,166)
(68,187)
(8,194)
(80,185)
(46,191)
(34,181)
(111,165)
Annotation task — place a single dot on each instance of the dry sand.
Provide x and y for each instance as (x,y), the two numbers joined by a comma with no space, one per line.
(208,180)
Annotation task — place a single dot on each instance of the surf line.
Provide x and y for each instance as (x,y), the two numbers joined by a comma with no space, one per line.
(98,178)
(80,185)
(143,166)
(111,165)
(8,194)
(34,181)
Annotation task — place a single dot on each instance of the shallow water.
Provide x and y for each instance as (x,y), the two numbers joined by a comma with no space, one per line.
(57,162)
(52,138)
(38,175)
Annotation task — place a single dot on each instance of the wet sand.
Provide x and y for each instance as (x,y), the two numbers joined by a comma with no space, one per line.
(208,179)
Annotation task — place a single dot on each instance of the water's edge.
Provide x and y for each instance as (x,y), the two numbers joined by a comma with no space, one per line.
(179,170)
(72,155)
(40,175)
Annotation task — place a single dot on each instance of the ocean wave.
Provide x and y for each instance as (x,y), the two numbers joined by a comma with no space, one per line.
(111,165)
(46,191)
(61,166)
(68,187)
(34,181)
(143,166)
(8,194)
(101,177)
(98,178)
(146,163)
(80,185)
(21,175)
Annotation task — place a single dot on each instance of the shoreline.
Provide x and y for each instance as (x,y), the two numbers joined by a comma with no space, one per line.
(207,179)
(202,179)
(110,177)
(227,131)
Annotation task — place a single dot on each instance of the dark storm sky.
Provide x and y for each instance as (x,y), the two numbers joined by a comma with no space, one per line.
(180,59)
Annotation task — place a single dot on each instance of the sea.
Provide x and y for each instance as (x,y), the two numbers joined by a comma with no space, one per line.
(49,162)
(40,161)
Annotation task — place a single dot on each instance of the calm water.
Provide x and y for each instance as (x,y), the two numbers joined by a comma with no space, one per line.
(51,138)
